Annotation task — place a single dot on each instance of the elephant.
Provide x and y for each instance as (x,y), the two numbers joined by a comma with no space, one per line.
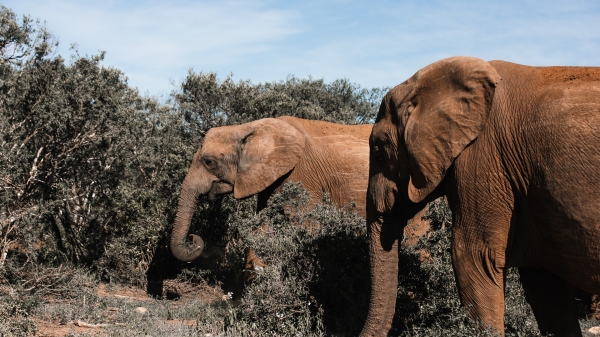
(516,151)
(260,156)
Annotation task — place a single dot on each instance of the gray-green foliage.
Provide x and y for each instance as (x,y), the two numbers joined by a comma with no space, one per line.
(317,268)
(205,101)
(21,42)
(87,164)
(90,170)
(14,317)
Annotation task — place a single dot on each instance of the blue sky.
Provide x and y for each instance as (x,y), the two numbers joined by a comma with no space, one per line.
(372,43)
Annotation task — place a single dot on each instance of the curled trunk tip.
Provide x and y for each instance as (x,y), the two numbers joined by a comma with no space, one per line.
(195,184)
(188,251)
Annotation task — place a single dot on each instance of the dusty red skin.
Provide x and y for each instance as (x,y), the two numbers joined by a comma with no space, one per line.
(516,150)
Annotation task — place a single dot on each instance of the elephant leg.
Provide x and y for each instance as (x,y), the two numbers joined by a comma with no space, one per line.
(480,280)
(552,300)
(253,265)
(595,307)
(244,279)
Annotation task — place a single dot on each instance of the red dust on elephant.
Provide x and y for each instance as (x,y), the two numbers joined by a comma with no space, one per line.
(516,150)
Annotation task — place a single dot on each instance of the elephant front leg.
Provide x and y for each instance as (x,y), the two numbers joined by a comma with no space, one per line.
(480,279)
(552,300)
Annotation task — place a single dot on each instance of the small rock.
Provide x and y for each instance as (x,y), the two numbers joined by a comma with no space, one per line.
(141,310)
(227,296)
(88,325)
(594,330)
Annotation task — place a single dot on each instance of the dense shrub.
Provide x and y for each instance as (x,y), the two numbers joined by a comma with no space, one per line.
(73,148)
(205,101)
(14,318)
(317,268)
(90,170)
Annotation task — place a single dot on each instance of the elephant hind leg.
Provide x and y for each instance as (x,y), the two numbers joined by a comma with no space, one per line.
(552,300)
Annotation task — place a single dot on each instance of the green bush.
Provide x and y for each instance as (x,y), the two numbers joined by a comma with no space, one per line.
(91,171)
(206,102)
(80,151)
(317,268)
(317,279)
(14,318)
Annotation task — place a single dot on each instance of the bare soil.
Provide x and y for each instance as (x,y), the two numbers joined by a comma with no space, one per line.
(185,292)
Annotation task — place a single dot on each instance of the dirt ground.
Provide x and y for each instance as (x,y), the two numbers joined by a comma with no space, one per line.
(185,292)
(55,329)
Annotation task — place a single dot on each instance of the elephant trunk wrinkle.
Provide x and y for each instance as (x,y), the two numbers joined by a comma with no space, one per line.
(383,242)
(383,193)
(180,247)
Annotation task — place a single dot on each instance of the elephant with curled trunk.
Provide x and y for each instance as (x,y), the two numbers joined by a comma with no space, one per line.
(258,157)
(516,150)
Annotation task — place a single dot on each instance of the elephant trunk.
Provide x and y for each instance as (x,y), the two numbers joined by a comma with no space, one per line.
(181,249)
(383,241)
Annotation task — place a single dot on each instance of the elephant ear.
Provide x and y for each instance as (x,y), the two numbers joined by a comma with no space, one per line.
(269,150)
(450,105)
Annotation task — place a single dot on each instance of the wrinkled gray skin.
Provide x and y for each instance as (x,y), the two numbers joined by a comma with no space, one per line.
(258,157)
(516,150)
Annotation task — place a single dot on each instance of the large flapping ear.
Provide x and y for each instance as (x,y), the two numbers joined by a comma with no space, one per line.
(450,105)
(270,150)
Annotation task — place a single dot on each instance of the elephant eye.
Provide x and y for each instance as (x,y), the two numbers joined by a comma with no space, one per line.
(377,154)
(210,163)
(248,138)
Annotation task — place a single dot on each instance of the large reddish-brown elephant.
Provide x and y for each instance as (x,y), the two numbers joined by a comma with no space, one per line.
(516,150)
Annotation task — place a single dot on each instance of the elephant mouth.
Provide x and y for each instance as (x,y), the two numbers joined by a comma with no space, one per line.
(218,188)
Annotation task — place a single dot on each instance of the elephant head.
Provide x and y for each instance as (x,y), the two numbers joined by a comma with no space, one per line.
(244,159)
(422,126)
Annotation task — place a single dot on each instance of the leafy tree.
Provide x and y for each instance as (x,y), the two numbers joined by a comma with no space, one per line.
(91,171)
(74,144)
(206,102)
(21,44)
